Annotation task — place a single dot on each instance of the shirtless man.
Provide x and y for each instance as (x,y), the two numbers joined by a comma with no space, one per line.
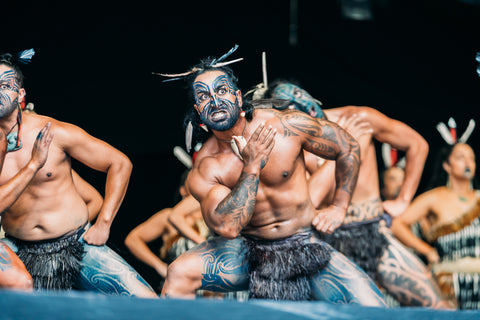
(49,221)
(13,274)
(256,198)
(363,236)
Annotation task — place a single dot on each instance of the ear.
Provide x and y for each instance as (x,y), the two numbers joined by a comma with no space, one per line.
(238,93)
(446,167)
(21,93)
(196,108)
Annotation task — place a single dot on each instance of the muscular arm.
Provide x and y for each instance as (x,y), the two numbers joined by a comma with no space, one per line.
(417,210)
(404,138)
(89,194)
(150,230)
(10,191)
(227,211)
(328,140)
(177,217)
(100,156)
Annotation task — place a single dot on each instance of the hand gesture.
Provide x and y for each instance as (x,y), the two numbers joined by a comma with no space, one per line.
(394,207)
(258,147)
(432,256)
(97,235)
(41,146)
(329,219)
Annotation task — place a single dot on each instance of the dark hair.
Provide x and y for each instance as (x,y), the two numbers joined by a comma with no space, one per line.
(199,135)
(8,60)
(275,83)
(439,176)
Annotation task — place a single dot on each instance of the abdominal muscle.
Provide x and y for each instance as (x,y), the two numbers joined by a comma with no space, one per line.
(30,219)
(279,223)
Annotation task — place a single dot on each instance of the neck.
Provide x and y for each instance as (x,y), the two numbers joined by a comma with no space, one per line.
(463,186)
(237,130)
(7,122)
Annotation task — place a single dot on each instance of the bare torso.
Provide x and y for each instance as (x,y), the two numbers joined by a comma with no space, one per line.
(50,206)
(367,189)
(447,207)
(283,206)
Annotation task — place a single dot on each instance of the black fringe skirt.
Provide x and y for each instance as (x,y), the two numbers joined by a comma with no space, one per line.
(280,270)
(361,242)
(53,264)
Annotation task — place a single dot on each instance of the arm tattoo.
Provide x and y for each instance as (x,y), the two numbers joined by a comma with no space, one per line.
(237,208)
(329,141)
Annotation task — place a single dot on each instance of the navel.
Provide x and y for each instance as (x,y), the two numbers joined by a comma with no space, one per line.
(285,174)
(49,174)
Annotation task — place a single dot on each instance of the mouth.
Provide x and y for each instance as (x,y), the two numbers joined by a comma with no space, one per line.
(467,173)
(312,112)
(218,115)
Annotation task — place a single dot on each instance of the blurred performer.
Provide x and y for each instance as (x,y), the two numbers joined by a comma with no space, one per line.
(48,225)
(363,235)
(450,221)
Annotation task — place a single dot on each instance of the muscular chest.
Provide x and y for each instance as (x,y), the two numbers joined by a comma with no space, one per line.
(17,160)
(283,163)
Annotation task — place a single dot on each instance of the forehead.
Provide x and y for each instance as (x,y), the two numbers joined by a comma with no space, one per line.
(462,148)
(209,77)
(4,68)
(394,172)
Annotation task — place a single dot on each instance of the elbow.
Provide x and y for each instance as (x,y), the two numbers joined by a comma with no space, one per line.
(130,241)
(228,233)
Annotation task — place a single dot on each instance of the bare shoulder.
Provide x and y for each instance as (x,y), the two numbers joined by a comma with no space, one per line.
(364,112)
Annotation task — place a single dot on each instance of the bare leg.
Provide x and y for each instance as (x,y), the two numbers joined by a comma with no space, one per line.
(216,265)
(13,274)
(342,281)
(406,278)
(105,271)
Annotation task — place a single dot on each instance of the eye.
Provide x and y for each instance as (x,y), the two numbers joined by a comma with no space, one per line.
(222,90)
(297,94)
(4,86)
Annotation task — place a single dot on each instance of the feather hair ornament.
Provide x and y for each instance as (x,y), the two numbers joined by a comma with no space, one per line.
(258,92)
(216,63)
(449,134)
(390,157)
(25,56)
(182,156)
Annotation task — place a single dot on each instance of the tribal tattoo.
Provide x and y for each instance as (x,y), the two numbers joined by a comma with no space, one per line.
(5,258)
(219,97)
(329,141)
(224,268)
(8,85)
(237,208)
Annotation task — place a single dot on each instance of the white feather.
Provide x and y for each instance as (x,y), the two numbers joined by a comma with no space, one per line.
(183,156)
(468,131)
(445,133)
(386,155)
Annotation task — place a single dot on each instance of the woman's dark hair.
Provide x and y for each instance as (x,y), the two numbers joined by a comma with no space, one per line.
(439,176)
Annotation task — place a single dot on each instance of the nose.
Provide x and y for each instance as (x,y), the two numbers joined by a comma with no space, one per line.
(214,102)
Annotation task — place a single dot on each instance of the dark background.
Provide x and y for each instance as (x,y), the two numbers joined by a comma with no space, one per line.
(414,61)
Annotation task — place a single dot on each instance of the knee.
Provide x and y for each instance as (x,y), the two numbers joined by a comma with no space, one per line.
(184,277)
(16,278)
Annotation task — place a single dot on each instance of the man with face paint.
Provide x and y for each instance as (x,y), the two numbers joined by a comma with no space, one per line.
(449,216)
(256,199)
(48,225)
(363,236)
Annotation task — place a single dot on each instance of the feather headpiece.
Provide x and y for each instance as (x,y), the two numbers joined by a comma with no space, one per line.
(449,134)
(216,63)
(390,157)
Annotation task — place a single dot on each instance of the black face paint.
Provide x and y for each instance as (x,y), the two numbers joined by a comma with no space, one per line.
(8,85)
(219,111)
